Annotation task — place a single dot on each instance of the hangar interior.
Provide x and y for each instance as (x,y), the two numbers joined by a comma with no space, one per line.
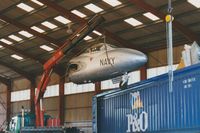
(32,30)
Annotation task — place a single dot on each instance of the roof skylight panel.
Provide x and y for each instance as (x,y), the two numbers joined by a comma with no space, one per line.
(37,29)
(3,21)
(93,8)
(151,16)
(6,41)
(113,3)
(78,13)
(17,57)
(16,38)
(49,25)
(25,7)
(195,3)
(47,48)
(62,19)
(37,2)
(96,32)
(25,33)
(87,38)
(133,22)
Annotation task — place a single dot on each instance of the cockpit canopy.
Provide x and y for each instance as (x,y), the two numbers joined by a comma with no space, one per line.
(100,47)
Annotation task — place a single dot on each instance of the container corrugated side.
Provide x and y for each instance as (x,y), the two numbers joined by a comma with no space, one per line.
(149,106)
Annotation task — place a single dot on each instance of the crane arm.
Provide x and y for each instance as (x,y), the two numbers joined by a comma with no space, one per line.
(70,43)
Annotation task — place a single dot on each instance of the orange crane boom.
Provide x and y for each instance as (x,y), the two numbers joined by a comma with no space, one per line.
(70,43)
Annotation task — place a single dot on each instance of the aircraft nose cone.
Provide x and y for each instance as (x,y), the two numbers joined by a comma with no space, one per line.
(141,57)
(133,57)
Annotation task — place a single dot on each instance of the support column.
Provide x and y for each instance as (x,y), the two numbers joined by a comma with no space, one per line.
(32,96)
(143,73)
(61,100)
(8,103)
(97,87)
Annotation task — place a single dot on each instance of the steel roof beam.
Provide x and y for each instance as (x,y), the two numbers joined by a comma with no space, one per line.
(189,34)
(5,81)
(17,70)
(21,53)
(76,18)
(27,28)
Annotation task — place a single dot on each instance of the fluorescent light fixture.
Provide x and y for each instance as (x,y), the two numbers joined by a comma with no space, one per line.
(1,46)
(47,48)
(62,19)
(96,32)
(6,41)
(133,21)
(17,57)
(151,16)
(16,38)
(25,33)
(25,7)
(78,13)
(195,3)
(93,8)
(37,2)
(87,38)
(113,3)
(49,25)
(37,29)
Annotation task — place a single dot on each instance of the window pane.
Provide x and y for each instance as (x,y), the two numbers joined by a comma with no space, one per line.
(71,88)
(134,77)
(20,95)
(52,91)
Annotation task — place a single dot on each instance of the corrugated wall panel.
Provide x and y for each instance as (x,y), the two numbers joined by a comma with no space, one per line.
(3,101)
(149,106)
(51,106)
(21,84)
(78,107)
(16,107)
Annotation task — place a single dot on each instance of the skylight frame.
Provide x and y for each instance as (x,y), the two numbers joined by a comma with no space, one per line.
(195,3)
(16,38)
(134,22)
(37,29)
(62,19)
(97,33)
(78,13)
(46,48)
(113,3)
(87,38)
(25,7)
(6,41)
(25,33)
(17,57)
(38,2)
(94,8)
(151,16)
(49,25)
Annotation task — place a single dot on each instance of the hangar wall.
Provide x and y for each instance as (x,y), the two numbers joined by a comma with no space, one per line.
(2,104)
(159,58)
(77,106)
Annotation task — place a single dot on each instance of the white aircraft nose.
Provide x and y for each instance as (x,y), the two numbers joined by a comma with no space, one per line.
(141,57)
(131,58)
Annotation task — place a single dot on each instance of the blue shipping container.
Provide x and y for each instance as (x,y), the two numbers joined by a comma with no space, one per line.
(149,106)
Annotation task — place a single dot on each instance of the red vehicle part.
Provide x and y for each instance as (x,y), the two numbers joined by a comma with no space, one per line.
(73,40)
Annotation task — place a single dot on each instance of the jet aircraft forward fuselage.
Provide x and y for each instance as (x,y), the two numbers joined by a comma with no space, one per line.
(104,61)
